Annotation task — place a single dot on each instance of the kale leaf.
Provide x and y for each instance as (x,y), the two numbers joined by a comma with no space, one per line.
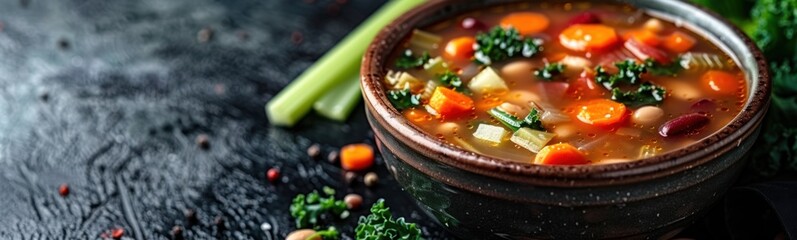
(646,94)
(629,72)
(775,28)
(403,99)
(550,71)
(533,120)
(503,43)
(407,60)
(450,79)
(380,225)
(659,69)
(308,210)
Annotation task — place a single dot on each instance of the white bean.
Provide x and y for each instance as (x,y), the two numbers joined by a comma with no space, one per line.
(511,109)
(518,70)
(683,91)
(564,131)
(447,128)
(522,98)
(654,25)
(647,115)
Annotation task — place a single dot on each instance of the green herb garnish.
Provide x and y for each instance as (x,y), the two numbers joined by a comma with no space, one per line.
(403,99)
(450,79)
(533,120)
(330,234)
(408,61)
(308,210)
(503,43)
(380,225)
(659,69)
(646,94)
(550,71)
(629,72)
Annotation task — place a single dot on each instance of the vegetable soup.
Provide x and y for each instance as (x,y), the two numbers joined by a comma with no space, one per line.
(564,84)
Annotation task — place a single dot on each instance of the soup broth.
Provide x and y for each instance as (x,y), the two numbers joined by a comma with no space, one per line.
(565,84)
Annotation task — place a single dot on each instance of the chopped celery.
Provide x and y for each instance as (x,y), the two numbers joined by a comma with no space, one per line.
(531,139)
(507,119)
(424,41)
(436,66)
(647,151)
(490,133)
(338,103)
(487,80)
(404,80)
(334,68)
(429,89)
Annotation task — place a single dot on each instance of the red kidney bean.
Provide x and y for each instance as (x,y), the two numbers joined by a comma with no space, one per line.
(704,106)
(584,18)
(472,24)
(684,124)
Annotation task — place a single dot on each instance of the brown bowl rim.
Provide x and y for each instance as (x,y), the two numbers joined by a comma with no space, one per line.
(372,74)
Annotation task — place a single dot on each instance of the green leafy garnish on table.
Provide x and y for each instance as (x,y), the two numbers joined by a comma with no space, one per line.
(308,209)
(646,94)
(403,99)
(503,43)
(629,72)
(551,71)
(451,80)
(409,60)
(330,233)
(380,225)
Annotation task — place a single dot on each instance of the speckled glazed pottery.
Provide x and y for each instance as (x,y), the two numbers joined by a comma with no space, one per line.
(479,197)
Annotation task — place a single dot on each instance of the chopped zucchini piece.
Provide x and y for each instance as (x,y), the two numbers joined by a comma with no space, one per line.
(490,133)
(531,139)
(487,80)
(424,41)
(436,66)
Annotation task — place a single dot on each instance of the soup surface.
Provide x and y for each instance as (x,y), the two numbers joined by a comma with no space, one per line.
(567,84)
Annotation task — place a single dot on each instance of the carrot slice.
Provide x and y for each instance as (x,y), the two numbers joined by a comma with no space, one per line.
(643,36)
(460,48)
(449,103)
(679,42)
(589,37)
(601,112)
(356,157)
(721,82)
(526,23)
(560,154)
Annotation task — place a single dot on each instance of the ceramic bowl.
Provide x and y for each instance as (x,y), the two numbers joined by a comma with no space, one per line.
(479,197)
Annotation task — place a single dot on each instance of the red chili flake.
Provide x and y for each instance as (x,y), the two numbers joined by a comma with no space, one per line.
(297,38)
(273,174)
(117,233)
(63,190)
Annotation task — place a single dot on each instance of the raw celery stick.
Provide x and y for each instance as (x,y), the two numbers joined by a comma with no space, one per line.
(337,103)
(334,68)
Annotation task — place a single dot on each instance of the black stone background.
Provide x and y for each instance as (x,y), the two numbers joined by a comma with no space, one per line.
(108,96)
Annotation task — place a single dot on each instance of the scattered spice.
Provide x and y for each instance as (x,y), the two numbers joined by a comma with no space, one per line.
(203,141)
(297,38)
(63,190)
(177,232)
(353,200)
(371,179)
(117,233)
(204,35)
(350,178)
(63,44)
(332,157)
(190,217)
(273,174)
(314,150)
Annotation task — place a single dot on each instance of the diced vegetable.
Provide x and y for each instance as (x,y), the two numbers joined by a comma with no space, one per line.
(526,23)
(429,89)
(702,61)
(589,37)
(460,48)
(500,44)
(403,99)
(531,139)
(679,42)
(404,80)
(647,151)
(490,133)
(560,154)
(506,118)
(409,60)
(721,82)
(644,36)
(643,51)
(646,94)
(451,80)
(487,81)
(551,71)
(424,41)
(335,67)
(450,104)
(554,117)
(338,103)
(436,66)
(356,157)
(601,112)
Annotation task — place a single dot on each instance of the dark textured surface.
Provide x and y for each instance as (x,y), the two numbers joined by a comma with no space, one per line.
(108,96)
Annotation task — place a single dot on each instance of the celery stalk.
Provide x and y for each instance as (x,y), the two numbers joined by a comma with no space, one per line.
(337,103)
(334,68)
